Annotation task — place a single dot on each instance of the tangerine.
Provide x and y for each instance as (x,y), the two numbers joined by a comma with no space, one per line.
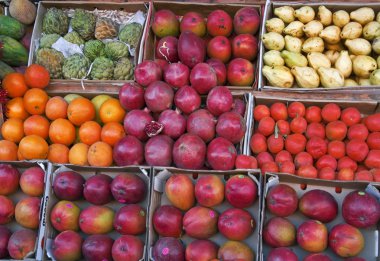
(35,101)
(36,76)
(14,83)
(62,131)
(112,132)
(111,111)
(15,109)
(80,110)
(89,132)
(100,154)
(33,147)
(78,154)
(12,130)
(38,125)
(8,150)
(58,153)
(56,108)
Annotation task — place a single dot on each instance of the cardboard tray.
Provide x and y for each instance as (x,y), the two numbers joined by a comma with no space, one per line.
(158,198)
(338,190)
(349,6)
(203,8)
(88,5)
(86,172)
(19,195)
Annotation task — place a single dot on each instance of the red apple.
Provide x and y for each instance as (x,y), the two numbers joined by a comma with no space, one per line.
(128,188)
(312,236)
(5,234)
(127,248)
(9,179)
(21,243)
(244,46)
(65,216)
(97,189)
(219,23)
(241,191)
(167,221)
(346,240)
(32,181)
(7,210)
(193,22)
(68,185)
(271,234)
(240,72)
(96,220)
(220,70)
(246,21)
(27,212)
(219,47)
(209,191)
(97,248)
(201,250)
(319,205)
(67,246)
(130,220)
(282,200)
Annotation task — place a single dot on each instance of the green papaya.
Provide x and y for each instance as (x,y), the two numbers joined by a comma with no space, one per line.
(11,27)
(12,52)
(5,69)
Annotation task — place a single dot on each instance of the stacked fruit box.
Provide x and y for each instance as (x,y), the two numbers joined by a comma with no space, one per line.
(319,219)
(109,206)
(213,212)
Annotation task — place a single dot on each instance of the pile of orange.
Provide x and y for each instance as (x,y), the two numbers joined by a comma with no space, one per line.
(61,130)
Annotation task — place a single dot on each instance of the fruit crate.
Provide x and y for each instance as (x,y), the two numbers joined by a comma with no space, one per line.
(37,253)
(333,6)
(158,198)
(338,190)
(204,8)
(87,172)
(132,7)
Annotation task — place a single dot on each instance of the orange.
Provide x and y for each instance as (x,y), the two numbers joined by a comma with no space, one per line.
(19,156)
(16,109)
(112,132)
(58,153)
(15,85)
(78,154)
(80,110)
(36,76)
(62,131)
(100,154)
(33,147)
(111,111)
(37,125)
(13,130)
(35,101)
(89,132)
(56,108)
(8,150)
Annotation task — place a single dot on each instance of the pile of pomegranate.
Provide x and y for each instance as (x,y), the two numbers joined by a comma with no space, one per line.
(325,142)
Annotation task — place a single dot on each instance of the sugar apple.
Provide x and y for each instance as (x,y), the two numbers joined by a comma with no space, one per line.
(123,70)
(102,69)
(52,60)
(83,23)
(74,37)
(48,40)
(105,28)
(93,49)
(55,22)
(130,34)
(76,67)
(116,50)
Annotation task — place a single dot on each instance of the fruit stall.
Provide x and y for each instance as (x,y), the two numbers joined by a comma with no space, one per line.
(167,130)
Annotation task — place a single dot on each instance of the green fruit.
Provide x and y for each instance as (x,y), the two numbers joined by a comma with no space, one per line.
(98,101)
(116,50)
(55,22)
(83,23)
(76,67)
(11,27)
(52,60)
(131,34)
(123,70)
(93,49)
(12,52)
(74,37)
(5,69)
(70,97)
(48,40)
(102,69)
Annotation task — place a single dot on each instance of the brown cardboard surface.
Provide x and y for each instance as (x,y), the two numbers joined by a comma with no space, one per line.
(181,9)
(333,6)
(371,235)
(158,198)
(86,172)
(19,195)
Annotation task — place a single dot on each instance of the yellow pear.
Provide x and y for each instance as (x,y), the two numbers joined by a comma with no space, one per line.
(294,29)
(275,25)
(313,44)
(317,60)
(363,15)
(273,41)
(305,14)
(363,66)
(371,30)
(324,15)
(352,30)
(312,28)
(341,18)
(331,34)
(350,83)
(330,77)
(358,46)
(278,76)
(293,44)
(332,55)
(273,57)
(285,13)
(306,77)
(344,64)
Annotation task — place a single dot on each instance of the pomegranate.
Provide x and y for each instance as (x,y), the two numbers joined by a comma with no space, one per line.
(168,248)
(187,99)
(269,167)
(135,122)
(239,107)
(158,151)
(287,167)
(167,49)
(219,100)
(373,122)
(162,63)
(147,72)
(203,78)
(189,152)
(283,127)
(326,173)
(336,130)
(131,96)
(220,70)
(202,123)
(231,126)
(159,96)
(177,75)
(191,49)
(373,159)
(128,151)
(174,123)
(336,148)
(221,154)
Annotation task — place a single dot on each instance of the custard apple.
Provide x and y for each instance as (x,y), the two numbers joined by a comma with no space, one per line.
(52,60)
(93,49)
(116,50)
(102,69)
(74,37)
(83,23)
(105,28)
(123,70)
(55,22)
(76,67)
(130,34)
(48,40)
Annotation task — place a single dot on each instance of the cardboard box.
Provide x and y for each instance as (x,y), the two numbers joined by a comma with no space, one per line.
(86,172)
(332,6)
(19,195)
(181,9)
(338,190)
(88,5)
(158,198)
